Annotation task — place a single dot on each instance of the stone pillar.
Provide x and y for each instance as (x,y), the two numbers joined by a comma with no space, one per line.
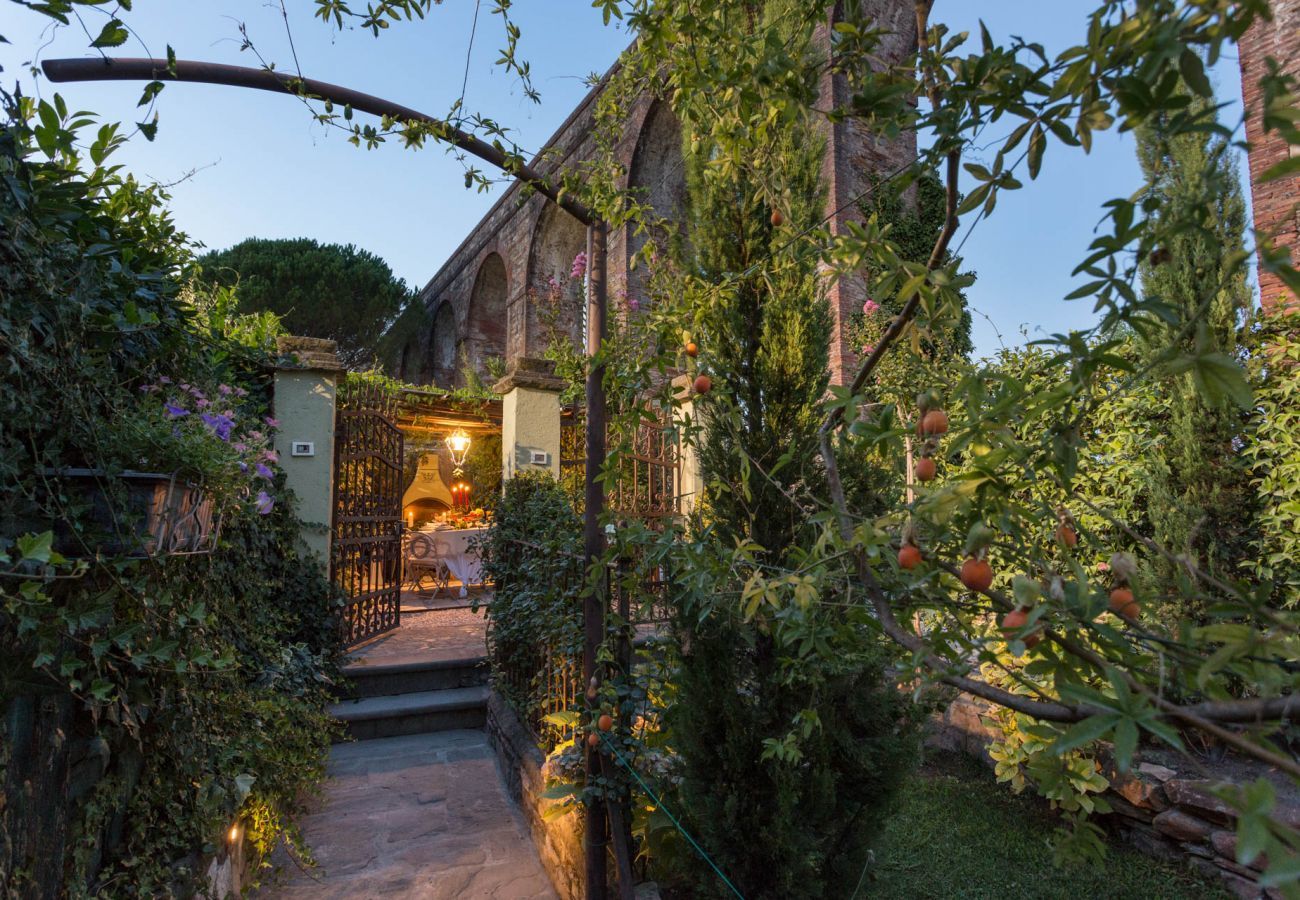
(690,484)
(306,383)
(530,418)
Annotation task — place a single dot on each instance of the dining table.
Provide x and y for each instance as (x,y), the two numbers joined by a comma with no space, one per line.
(456,547)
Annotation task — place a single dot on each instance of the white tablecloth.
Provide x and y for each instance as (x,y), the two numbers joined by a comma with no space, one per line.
(453,545)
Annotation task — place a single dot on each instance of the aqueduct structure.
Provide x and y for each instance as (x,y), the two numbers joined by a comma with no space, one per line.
(487,299)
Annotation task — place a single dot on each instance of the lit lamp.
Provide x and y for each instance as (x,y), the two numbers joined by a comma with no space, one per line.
(457,447)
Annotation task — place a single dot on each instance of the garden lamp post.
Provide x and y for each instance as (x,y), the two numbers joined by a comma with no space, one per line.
(125,69)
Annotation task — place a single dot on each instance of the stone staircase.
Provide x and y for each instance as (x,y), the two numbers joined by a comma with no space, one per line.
(413,698)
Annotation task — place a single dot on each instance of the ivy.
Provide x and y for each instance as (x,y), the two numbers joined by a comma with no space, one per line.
(149,702)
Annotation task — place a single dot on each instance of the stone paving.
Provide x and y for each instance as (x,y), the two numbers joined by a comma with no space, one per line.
(437,635)
(423,816)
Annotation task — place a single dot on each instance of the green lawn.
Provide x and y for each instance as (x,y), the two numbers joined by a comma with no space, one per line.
(959,834)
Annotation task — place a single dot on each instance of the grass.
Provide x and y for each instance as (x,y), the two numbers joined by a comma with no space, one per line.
(959,834)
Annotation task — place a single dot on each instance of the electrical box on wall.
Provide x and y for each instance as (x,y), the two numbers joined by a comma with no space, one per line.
(302,448)
(539,458)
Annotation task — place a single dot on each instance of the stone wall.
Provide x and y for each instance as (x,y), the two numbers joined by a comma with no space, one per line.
(486,299)
(558,839)
(1164,807)
(1276,204)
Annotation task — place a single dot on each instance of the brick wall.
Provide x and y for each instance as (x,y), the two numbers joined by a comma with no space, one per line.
(1275,203)
(534,240)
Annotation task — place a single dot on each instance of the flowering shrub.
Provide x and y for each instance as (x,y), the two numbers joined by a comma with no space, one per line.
(215,434)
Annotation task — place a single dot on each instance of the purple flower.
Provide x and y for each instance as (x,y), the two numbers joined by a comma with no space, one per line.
(203,403)
(163,379)
(554,285)
(272,422)
(174,411)
(243,467)
(185,387)
(633,304)
(225,389)
(263,471)
(240,392)
(579,265)
(870,307)
(240,447)
(148,388)
(264,503)
(220,424)
(197,394)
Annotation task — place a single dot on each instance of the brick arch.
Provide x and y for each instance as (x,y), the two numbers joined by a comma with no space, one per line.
(440,359)
(557,239)
(485,317)
(657,175)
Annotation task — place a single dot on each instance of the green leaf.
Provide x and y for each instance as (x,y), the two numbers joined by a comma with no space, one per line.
(1083,733)
(243,785)
(36,547)
(1037,144)
(1220,377)
(113,34)
(1193,71)
(565,719)
(561,790)
(1287,167)
(1126,738)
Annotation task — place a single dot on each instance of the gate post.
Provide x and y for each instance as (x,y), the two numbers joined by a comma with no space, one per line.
(690,486)
(530,418)
(303,400)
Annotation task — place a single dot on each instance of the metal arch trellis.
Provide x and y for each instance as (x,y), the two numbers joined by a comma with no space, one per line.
(366,546)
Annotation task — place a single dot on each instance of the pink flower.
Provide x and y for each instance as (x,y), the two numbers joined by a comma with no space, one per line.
(272,422)
(240,447)
(240,392)
(870,307)
(203,403)
(633,304)
(271,456)
(868,349)
(225,389)
(579,265)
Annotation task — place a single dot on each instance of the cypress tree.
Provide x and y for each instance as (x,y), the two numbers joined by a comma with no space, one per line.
(779,823)
(1200,502)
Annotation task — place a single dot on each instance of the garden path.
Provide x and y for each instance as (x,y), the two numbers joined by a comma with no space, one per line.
(436,635)
(422,816)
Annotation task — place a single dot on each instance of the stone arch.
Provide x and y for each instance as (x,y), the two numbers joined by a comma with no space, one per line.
(557,241)
(658,178)
(444,342)
(486,322)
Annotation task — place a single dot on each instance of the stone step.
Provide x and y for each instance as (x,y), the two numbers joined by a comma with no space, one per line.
(421,712)
(413,677)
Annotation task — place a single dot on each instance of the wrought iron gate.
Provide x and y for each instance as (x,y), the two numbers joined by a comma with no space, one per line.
(366,546)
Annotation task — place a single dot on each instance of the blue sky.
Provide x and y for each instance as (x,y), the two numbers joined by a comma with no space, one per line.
(261,167)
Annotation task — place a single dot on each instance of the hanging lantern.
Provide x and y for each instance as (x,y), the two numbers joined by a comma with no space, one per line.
(458,447)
